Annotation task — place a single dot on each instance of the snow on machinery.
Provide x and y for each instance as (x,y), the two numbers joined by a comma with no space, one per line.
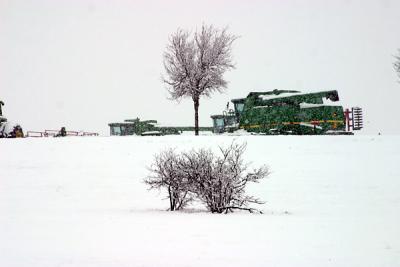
(8,129)
(289,112)
(148,127)
(272,112)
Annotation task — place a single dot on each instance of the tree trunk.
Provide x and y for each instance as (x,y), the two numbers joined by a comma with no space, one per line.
(171,203)
(196,115)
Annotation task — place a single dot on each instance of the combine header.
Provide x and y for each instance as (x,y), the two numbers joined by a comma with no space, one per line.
(148,127)
(353,118)
(289,112)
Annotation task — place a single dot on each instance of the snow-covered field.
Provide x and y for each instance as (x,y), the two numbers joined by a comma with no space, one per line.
(331,201)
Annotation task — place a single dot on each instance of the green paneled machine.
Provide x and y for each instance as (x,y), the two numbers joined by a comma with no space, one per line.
(289,112)
(148,127)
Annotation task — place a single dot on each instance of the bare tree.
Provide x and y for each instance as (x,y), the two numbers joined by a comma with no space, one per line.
(397,64)
(195,65)
(165,173)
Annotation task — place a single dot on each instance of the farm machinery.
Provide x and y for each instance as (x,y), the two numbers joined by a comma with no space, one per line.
(148,127)
(289,112)
(8,129)
(59,133)
(273,112)
(12,130)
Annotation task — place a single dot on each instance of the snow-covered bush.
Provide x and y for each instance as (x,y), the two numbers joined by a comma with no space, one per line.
(218,180)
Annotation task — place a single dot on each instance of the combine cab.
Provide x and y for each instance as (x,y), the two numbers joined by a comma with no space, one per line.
(289,112)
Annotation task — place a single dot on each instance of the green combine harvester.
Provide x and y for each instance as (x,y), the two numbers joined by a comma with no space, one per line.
(289,112)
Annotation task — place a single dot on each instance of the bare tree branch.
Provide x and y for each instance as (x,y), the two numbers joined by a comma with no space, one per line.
(397,64)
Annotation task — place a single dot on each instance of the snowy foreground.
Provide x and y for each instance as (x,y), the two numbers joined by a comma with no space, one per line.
(80,201)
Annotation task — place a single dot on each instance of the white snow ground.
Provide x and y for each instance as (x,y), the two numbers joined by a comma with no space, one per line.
(80,201)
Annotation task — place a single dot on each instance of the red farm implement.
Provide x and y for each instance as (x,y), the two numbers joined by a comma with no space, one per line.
(55,133)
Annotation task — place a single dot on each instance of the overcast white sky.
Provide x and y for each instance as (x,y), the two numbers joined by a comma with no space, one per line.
(85,63)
